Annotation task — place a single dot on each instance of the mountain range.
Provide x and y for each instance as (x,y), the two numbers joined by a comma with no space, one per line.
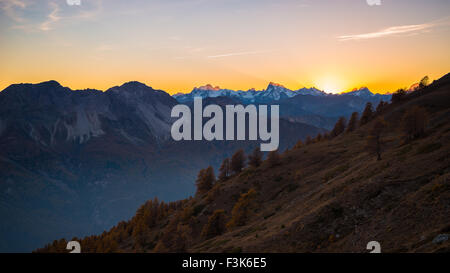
(306,105)
(273,92)
(334,194)
(74,162)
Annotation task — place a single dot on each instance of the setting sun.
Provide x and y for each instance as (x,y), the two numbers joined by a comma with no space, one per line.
(330,84)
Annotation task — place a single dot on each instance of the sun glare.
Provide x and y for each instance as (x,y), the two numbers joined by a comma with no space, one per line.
(330,85)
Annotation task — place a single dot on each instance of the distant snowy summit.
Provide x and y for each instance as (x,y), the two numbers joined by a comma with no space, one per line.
(365,93)
(273,92)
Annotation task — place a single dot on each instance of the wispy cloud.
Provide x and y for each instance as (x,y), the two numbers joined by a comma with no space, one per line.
(11,7)
(31,16)
(51,18)
(395,30)
(237,54)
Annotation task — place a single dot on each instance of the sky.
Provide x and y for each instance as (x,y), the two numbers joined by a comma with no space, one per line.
(176,45)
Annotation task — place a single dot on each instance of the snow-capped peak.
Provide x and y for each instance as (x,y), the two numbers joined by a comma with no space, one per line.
(274,91)
(208,87)
(310,91)
(277,91)
(274,84)
(361,92)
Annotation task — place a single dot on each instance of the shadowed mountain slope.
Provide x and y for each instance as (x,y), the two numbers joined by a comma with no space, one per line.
(329,196)
(74,162)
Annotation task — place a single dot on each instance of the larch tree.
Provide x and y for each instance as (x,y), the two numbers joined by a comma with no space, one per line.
(374,139)
(398,96)
(238,161)
(242,209)
(215,225)
(339,127)
(308,140)
(273,158)
(298,145)
(380,107)
(255,159)
(353,122)
(318,138)
(225,170)
(367,114)
(424,82)
(205,180)
(414,121)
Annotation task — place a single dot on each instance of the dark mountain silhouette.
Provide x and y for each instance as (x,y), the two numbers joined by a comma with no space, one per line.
(331,195)
(75,162)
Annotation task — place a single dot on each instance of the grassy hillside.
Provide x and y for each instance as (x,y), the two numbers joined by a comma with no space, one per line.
(331,195)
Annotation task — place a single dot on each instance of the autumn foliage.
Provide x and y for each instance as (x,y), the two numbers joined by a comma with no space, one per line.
(353,122)
(339,127)
(240,198)
(215,225)
(367,114)
(273,158)
(255,159)
(205,180)
(238,161)
(225,170)
(374,139)
(414,122)
(242,209)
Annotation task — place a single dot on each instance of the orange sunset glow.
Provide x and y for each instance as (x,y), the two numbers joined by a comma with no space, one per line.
(177,45)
